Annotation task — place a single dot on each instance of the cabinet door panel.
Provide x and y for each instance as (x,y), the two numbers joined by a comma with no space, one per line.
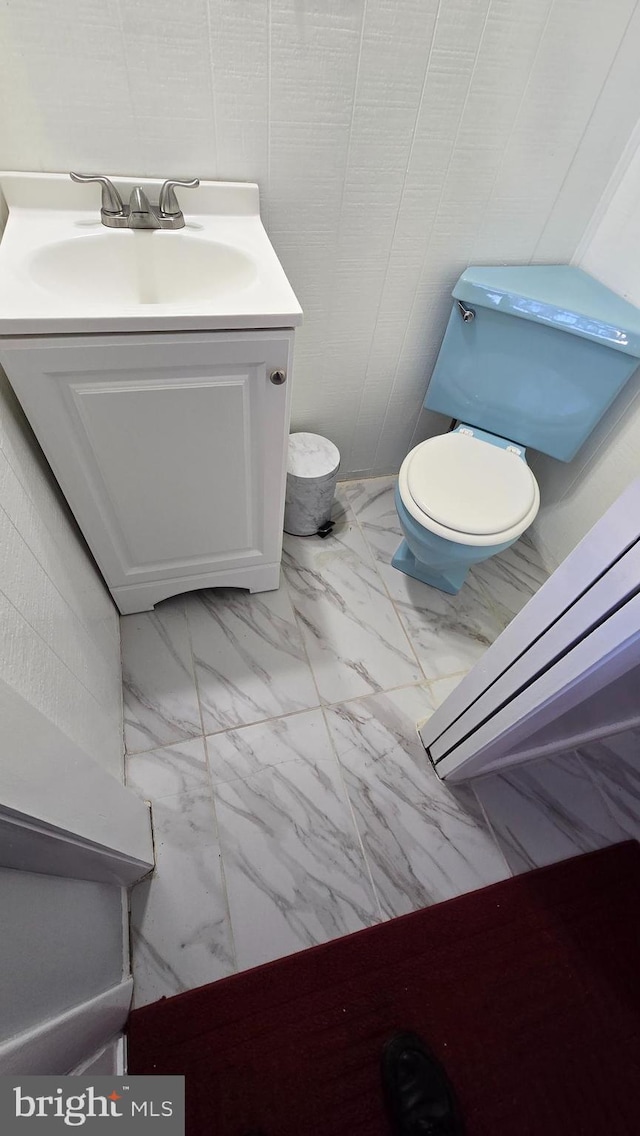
(183,489)
(171,450)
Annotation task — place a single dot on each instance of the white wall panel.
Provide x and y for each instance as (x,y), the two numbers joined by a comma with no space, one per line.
(65,87)
(239,38)
(169,79)
(59,638)
(575,495)
(613,253)
(614,119)
(394,141)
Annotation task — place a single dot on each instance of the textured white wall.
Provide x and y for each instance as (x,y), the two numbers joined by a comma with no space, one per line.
(575,495)
(394,142)
(61,940)
(612,251)
(59,634)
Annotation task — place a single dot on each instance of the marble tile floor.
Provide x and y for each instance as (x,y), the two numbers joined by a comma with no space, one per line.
(275,736)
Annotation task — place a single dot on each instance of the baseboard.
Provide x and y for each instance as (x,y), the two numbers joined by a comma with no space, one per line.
(133,598)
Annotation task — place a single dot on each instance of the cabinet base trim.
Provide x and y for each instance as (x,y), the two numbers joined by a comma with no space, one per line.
(131,598)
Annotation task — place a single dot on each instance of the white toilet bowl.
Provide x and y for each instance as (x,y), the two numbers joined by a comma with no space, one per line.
(461,498)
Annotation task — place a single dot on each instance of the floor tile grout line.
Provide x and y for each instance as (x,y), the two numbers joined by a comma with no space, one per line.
(322,702)
(165,745)
(223,878)
(489,824)
(332,759)
(223,873)
(354,819)
(193,791)
(321,705)
(381,578)
(393,602)
(374,693)
(214,847)
(489,828)
(179,602)
(444,678)
(194,669)
(350,510)
(275,764)
(396,607)
(285,584)
(324,707)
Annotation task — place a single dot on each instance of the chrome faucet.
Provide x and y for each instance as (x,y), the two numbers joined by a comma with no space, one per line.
(139,213)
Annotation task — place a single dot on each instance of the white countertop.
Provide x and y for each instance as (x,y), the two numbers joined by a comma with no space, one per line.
(49,284)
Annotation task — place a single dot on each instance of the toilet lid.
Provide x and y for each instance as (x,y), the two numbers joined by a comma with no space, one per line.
(470,486)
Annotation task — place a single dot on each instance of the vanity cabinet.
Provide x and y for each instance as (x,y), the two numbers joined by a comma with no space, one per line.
(170,449)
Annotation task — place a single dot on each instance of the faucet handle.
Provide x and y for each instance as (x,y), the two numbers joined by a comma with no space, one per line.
(111,199)
(168,204)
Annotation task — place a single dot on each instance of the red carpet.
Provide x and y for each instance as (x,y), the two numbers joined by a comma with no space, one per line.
(529,991)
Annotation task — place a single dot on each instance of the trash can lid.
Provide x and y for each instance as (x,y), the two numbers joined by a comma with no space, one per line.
(312,456)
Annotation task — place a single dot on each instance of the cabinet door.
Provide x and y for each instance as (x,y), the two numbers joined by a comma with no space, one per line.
(171,449)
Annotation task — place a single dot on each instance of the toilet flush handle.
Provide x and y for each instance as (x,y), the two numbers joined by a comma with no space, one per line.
(467,314)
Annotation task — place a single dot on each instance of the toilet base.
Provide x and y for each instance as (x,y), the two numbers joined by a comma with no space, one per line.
(450,581)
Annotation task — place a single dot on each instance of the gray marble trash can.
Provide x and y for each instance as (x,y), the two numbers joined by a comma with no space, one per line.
(312,471)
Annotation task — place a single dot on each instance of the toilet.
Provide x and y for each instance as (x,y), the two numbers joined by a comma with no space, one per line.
(532,358)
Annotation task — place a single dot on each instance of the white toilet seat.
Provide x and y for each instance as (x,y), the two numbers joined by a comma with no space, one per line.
(469,490)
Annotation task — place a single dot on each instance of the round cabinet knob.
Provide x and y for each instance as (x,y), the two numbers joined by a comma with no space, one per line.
(278,378)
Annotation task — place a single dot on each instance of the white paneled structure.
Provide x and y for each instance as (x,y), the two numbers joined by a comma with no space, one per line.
(61,940)
(611,251)
(394,142)
(574,496)
(59,638)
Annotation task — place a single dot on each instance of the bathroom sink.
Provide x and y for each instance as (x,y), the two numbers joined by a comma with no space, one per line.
(136,267)
(62,271)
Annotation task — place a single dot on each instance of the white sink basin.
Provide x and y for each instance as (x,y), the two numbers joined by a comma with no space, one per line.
(61,270)
(138,267)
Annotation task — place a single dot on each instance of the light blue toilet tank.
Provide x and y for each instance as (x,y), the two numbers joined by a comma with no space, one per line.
(546,351)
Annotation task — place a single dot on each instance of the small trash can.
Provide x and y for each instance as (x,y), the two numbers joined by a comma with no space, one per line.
(312,472)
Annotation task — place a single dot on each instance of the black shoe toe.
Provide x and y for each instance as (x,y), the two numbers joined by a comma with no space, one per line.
(419,1095)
